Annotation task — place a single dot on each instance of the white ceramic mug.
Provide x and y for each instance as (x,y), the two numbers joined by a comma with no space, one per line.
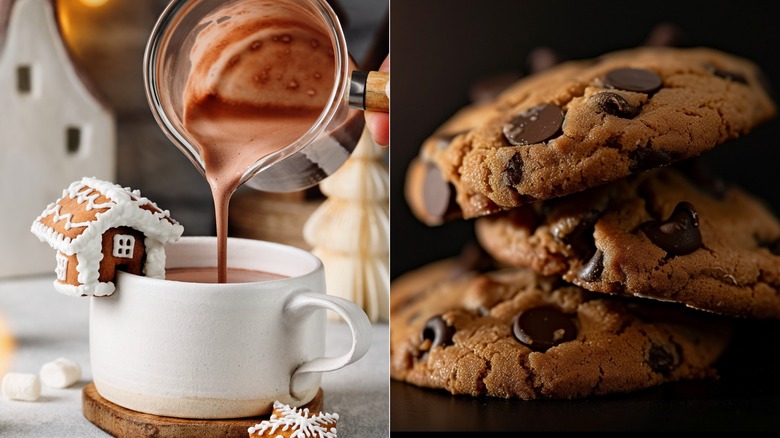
(210,350)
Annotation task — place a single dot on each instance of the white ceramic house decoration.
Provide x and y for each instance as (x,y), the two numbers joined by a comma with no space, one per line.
(350,231)
(53,129)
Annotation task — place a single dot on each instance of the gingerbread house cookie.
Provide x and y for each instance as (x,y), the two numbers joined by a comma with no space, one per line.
(289,422)
(97,228)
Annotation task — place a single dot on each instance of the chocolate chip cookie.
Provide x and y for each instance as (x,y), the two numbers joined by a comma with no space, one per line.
(511,333)
(581,124)
(666,234)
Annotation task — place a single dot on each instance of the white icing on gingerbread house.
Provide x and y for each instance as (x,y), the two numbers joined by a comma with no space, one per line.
(97,228)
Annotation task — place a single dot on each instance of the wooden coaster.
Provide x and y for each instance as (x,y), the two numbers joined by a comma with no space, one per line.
(121,422)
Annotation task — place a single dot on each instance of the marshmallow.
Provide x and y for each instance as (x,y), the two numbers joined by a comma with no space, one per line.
(60,373)
(21,386)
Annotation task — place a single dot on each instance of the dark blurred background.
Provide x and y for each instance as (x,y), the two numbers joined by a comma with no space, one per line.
(441,47)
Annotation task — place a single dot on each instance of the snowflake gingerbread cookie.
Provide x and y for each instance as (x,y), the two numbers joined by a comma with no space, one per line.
(289,422)
(98,228)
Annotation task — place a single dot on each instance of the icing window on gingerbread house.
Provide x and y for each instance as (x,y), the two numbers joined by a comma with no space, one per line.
(123,246)
(62,267)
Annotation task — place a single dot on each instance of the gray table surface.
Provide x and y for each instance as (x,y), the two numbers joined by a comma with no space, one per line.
(46,325)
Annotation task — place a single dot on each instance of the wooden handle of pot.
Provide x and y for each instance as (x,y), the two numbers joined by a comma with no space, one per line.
(378,91)
(370,91)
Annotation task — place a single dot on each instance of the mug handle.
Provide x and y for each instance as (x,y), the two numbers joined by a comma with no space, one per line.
(306,302)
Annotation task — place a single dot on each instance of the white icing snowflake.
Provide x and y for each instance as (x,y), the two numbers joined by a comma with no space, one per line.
(299,421)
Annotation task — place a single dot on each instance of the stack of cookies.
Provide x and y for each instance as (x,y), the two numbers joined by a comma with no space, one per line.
(618,262)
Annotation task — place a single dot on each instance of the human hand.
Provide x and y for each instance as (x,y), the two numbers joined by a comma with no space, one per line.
(378,123)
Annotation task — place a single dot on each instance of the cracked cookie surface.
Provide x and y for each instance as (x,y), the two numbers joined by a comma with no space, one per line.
(673,234)
(513,334)
(581,124)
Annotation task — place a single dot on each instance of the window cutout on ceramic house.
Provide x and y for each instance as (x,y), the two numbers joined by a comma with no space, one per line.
(72,140)
(36,69)
(24,79)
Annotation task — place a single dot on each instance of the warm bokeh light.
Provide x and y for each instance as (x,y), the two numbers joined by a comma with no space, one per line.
(6,346)
(75,18)
(94,3)
(65,23)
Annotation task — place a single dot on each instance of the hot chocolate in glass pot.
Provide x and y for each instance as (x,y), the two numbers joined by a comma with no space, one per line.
(262,92)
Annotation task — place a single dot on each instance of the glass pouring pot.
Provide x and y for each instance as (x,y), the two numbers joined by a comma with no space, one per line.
(301,163)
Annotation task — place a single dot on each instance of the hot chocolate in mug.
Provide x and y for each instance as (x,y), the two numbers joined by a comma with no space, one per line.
(193,349)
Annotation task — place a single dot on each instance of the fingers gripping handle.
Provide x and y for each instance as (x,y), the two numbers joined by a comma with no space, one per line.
(359,326)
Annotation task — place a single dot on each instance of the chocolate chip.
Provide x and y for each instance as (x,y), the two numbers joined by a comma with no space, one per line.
(728,75)
(661,360)
(633,79)
(437,331)
(438,196)
(543,327)
(614,104)
(533,125)
(580,237)
(513,173)
(648,158)
(678,235)
(591,271)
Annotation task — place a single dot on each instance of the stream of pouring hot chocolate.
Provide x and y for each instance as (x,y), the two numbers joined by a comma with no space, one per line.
(258,82)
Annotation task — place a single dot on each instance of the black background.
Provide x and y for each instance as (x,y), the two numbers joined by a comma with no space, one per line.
(439,49)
